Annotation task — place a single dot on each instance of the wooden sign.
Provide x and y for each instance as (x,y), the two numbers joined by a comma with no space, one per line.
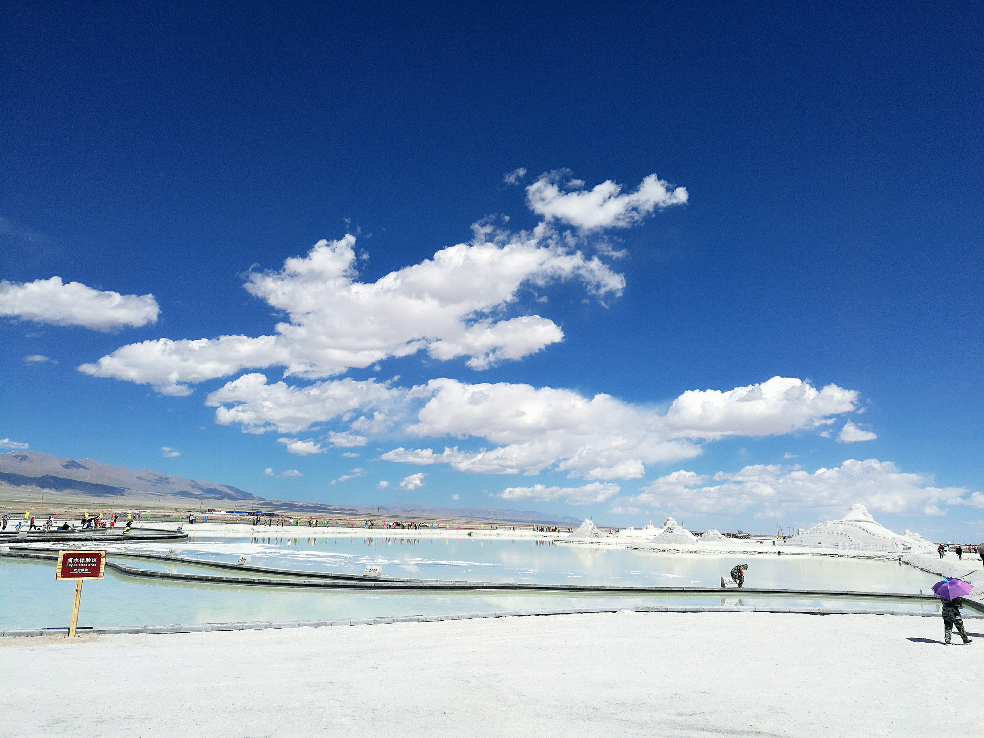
(80,565)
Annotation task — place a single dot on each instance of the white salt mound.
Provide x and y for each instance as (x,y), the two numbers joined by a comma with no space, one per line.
(586,531)
(673,533)
(858,531)
(713,535)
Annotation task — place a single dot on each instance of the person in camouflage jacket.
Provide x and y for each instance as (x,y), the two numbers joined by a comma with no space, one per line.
(951,617)
(738,574)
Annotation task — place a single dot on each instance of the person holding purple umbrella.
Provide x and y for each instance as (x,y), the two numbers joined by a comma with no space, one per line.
(950,590)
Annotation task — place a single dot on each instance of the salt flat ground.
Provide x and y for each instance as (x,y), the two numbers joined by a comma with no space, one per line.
(621,674)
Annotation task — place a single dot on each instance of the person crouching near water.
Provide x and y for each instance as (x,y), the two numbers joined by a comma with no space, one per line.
(951,617)
(738,574)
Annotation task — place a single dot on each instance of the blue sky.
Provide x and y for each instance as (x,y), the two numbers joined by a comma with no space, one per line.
(712,261)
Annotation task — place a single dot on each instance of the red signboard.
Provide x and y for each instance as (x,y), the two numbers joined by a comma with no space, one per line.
(80,565)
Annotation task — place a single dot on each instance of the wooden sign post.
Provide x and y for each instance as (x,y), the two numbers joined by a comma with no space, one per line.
(79,565)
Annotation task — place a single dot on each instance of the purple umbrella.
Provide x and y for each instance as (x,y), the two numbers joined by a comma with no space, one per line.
(950,588)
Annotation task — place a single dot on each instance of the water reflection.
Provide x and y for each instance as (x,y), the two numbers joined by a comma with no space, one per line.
(32,597)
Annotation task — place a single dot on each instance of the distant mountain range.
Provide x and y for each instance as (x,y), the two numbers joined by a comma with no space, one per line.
(90,478)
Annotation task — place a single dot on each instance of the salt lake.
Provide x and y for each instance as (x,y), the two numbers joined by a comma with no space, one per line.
(32,597)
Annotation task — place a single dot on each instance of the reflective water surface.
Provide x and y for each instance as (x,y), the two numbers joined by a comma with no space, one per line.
(32,597)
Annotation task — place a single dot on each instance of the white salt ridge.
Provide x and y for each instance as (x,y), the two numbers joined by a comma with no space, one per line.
(713,535)
(858,531)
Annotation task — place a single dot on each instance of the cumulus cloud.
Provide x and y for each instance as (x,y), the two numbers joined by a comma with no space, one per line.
(489,343)
(53,302)
(589,494)
(773,490)
(169,453)
(414,481)
(603,437)
(777,406)
(382,485)
(301,448)
(13,445)
(603,206)
(531,429)
(444,305)
(850,433)
(258,406)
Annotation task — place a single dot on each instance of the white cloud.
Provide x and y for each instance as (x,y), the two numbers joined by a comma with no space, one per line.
(489,343)
(414,481)
(532,429)
(259,407)
(850,433)
(774,490)
(350,455)
(171,365)
(38,359)
(169,453)
(514,176)
(290,473)
(347,440)
(353,474)
(589,494)
(301,448)
(779,405)
(447,305)
(603,437)
(455,497)
(74,304)
(602,206)
(623,510)
(13,445)
(383,485)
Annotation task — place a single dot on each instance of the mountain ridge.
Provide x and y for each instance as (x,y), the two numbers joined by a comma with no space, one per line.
(95,479)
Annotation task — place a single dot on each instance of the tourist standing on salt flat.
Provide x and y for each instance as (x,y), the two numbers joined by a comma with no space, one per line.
(952,617)
(980,551)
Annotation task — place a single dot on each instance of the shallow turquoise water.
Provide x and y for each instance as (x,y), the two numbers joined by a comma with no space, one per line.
(32,597)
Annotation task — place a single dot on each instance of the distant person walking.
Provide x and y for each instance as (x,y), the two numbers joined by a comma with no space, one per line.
(942,550)
(980,551)
(738,574)
(952,617)
(960,552)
